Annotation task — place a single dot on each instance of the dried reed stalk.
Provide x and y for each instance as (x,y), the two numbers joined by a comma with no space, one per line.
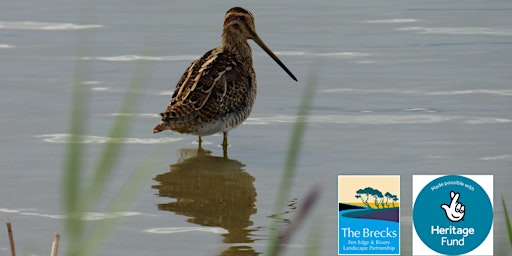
(11,238)
(55,244)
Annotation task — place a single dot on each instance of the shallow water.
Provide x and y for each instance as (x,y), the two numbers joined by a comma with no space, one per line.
(402,88)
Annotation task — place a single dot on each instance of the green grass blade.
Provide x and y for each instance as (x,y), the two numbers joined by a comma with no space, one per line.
(73,161)
(313,244)
(104,168)
(306,206)
(291,160)
(79,198)
(111,150)
(73,165)
(507,219)
(121,202)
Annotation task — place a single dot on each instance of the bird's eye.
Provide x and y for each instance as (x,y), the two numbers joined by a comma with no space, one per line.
(242,18)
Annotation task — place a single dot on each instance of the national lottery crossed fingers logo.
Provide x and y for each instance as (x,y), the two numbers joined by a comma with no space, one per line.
(452,215)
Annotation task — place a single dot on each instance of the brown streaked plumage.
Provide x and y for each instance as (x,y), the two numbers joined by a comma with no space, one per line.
(217,91)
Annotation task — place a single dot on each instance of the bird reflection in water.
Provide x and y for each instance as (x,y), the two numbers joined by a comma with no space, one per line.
(214,192)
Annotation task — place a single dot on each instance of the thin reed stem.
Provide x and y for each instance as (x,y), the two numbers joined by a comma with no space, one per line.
(55,244)
(11,238)
(291,161)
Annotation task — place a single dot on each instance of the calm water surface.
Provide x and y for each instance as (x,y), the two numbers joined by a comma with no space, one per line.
(403,88)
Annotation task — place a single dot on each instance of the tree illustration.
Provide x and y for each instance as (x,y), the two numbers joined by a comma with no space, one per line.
(366,193)
(388,196)
(395,198)
(380,200)
(377,195)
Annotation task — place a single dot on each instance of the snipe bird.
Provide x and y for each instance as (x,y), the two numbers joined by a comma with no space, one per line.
(217,91)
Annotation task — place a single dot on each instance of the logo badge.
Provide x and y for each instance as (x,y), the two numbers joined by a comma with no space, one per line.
(369,215)
(452,215)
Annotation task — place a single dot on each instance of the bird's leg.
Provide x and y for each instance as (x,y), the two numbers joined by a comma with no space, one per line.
(200,141)
(225,145)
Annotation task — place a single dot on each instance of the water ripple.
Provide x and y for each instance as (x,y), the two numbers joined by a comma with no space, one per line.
(139,57)
(347,55)
(499,157)
(31,25)
(354,119)
(89,216)
(391,21)
(464,92)
(418,92)
(140,114)
(89,139)
(365,91)
(459,31)
(324,54)
(171,230)
(375,119)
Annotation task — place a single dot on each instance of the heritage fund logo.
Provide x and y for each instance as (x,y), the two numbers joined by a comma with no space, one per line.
(369,215)
(454,211)
(452,215)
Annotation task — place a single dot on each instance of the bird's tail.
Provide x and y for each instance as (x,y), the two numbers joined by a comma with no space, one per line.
(160,127)
(163,125)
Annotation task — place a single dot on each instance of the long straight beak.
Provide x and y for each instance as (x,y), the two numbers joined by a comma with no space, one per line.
(263,46)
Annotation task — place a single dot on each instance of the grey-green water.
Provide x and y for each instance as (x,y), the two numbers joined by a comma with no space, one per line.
(403,88)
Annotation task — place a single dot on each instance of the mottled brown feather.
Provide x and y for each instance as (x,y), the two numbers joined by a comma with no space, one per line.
(215,86)
(217,91)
